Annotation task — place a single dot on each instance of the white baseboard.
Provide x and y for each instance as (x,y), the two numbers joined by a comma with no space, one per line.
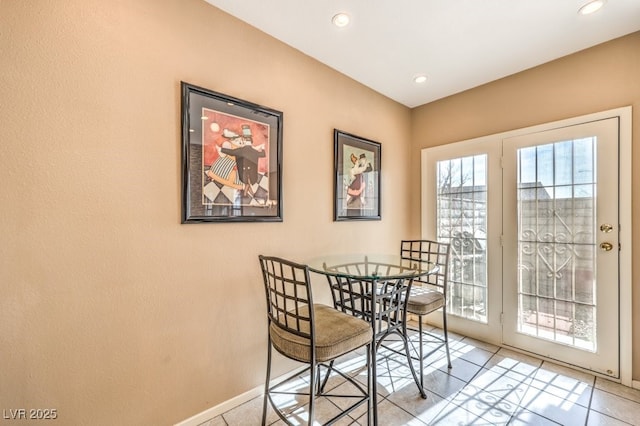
(212,412)
(232,403)
(635,384)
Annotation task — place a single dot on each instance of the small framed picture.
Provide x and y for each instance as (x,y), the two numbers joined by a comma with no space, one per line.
(357,177)
(231,159)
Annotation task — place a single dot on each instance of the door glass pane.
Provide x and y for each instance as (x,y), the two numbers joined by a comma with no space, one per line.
(462,221)
(556,242)
(583,169)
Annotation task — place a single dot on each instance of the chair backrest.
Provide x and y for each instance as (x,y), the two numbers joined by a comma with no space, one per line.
(350,296)
(393,296)
(354,297)
(288,291)
(429,251)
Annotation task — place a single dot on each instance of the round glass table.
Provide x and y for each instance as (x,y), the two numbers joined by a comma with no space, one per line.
(376,288)
(377,267)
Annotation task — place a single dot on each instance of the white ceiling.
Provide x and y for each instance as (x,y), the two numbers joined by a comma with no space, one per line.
(458,44)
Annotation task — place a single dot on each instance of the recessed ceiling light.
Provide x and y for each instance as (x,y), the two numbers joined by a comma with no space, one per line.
(591,7)
(340,20)
(420,78)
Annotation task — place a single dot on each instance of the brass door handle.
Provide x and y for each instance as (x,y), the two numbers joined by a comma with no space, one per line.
(606,246)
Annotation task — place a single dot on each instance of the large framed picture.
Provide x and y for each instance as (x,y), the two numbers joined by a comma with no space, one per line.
(231,159)
(357,177)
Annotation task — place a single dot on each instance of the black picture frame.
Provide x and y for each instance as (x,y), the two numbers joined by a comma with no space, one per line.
(231,159)
(357,165)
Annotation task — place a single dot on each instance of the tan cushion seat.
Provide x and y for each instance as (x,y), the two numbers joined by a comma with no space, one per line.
(336,334)
(422,301)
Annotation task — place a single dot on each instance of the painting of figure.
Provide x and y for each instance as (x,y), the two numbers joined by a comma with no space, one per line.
(356,181)
(235,160)
(357,178)
(231,158)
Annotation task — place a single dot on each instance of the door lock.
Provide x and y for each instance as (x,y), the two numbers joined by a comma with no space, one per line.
(606,246)
(605,227)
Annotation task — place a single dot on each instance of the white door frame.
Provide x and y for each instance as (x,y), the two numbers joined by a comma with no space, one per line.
(625,169)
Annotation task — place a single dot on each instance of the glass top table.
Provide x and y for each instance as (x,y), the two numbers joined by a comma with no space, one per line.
(374,287)
(376,267)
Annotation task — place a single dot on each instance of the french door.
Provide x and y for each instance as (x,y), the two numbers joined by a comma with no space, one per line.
(533,218)
(461,187)
(560,244)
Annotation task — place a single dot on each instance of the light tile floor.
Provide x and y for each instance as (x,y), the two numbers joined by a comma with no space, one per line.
(487,385)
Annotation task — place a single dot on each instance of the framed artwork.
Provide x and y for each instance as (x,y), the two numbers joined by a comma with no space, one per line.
(357,177)
(231,159)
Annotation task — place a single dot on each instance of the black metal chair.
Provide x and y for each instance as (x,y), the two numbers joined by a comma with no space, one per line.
(309,333)
(429,293)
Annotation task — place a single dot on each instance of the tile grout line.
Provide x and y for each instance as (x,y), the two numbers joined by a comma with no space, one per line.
(467,382)
(593,388)
(615,394)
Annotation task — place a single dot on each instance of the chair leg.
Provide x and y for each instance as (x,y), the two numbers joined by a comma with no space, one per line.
(312,390)
(371,384)
(266,385)
(446,335)
(322,384)
(405,338)
(372,417)
(421,354)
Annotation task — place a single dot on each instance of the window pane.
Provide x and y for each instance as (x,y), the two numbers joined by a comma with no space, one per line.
(544,162)
(528,169)
(584,161)
(563,163)
(461,221)
(556,242)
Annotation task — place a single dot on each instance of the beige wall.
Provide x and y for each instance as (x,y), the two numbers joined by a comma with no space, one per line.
(111,311)
(601,78)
